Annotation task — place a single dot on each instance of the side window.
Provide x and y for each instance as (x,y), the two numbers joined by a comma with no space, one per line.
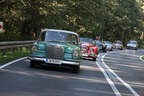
(74,39)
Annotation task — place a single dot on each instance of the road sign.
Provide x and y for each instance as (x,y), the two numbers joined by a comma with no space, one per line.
(1,26)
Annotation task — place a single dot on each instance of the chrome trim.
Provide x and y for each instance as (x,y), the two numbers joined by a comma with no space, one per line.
(36,58)
(63,61)
(71,63)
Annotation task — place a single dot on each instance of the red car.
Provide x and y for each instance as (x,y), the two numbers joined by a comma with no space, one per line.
(88,48)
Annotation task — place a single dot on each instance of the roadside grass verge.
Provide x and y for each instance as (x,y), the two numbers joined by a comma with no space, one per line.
(9,56)
(143,57)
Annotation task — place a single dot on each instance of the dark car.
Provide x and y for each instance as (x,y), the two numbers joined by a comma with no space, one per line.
(109,45)
(101,46)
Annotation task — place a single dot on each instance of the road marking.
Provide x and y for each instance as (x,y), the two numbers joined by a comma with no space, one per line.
(111,83)
(141,58)
(128,54)
(9,63)
(125,54)
(120,79)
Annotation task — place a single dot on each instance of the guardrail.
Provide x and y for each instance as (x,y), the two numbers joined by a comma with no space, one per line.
(14,46)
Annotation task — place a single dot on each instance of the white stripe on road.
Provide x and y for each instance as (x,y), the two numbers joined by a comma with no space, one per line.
(111,83)
(120,79)
(141,58)
(125,54)
(9,63)
(129,54)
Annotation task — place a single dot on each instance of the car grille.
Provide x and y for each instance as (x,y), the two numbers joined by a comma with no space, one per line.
(54,52)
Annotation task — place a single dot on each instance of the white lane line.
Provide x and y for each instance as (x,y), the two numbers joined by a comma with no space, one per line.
(111,83)
(9,63)
(141,58)
(125,54)
(120,79)
(129,54)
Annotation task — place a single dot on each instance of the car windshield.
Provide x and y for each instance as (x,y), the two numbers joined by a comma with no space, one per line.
(132,42)
(118,42)
(86,40)
(107,42)
(60,37)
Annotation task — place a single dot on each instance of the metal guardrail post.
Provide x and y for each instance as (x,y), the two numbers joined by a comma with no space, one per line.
(3,52)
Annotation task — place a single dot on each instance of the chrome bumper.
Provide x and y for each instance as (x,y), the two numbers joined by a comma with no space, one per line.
(62,61)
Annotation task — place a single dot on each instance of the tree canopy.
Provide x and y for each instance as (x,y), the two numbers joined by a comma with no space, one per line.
(110,19)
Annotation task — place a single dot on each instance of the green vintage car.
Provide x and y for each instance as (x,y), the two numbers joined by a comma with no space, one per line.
(56,47)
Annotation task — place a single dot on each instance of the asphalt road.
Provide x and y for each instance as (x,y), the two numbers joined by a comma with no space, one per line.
(127,65)
(94,78)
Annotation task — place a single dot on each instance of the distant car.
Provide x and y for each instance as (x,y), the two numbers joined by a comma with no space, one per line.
(101,46)
(109,45)
(88,48)
(118,45)
(132,45)
(56,47)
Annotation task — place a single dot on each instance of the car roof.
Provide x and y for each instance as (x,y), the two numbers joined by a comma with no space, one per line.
(64,31)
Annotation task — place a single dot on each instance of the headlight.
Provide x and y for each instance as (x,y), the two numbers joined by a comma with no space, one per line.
(34,48)
(75,54)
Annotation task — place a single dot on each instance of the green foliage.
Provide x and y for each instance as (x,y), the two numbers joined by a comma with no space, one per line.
(143,57)
(9,56)
(141,43)
(111,19)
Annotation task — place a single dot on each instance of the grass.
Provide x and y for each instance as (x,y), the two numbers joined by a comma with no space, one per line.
(143,57)
(9,56)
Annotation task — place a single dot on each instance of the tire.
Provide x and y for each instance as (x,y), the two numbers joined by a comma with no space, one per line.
(76,69)
(34,64)
(94,59)
(104,50)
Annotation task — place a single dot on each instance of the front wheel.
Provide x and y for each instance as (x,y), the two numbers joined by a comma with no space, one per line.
(34,64)
(76,69)
(94,59)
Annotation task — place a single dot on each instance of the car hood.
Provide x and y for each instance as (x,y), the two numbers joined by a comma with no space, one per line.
(108,44)
(133,45)
(118,45)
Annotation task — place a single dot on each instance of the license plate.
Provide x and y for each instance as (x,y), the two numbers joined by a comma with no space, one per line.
(53,61)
